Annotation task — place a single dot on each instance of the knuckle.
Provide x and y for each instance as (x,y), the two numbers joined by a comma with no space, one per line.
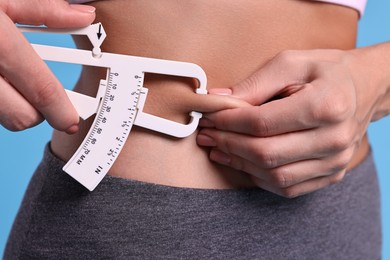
(260,126)
(219,122)
(337,178)
(237,164)
(289,193)
(227,144)
(257,181)
(341,141)
(21,121)
(46,95)
(58,6)
(342,161)
(250,87)
(281,177)
(264,155)
(331,109)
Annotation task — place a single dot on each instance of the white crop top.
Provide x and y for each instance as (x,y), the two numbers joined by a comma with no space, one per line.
(359,5)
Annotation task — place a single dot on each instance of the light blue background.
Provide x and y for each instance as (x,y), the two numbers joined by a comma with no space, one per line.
(21,152)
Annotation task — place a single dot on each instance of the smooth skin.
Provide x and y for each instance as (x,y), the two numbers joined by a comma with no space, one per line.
(30,92)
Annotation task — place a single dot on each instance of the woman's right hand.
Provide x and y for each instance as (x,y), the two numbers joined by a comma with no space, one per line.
(30,93)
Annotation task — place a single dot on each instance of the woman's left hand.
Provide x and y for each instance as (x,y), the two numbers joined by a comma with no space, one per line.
(310,111)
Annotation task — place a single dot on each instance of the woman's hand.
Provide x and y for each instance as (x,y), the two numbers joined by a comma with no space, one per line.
(310,111)
(29,91)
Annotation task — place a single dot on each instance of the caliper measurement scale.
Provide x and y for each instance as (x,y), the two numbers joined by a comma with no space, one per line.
(119,101)
(110,129)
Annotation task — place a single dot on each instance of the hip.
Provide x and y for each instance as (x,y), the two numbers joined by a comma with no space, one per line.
(130,219)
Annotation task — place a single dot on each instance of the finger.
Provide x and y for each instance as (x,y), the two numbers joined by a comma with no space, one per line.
(286,69)
(311,106)
(302,188)
(52,13)
(212,103)
(235,162)
(289,114)
(272,152)
(285,181)
(286,175)
(15,112)
(32,78)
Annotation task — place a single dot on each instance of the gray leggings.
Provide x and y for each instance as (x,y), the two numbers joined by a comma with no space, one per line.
(126,219)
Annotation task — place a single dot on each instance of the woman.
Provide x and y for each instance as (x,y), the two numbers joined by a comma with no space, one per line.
(301,127)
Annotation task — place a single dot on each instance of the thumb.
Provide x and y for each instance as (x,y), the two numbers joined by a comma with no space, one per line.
(214,103)
(23,68)
(286,69)
(52,13)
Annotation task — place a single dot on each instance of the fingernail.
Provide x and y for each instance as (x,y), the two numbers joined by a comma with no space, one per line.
(205,122)
(205,140)
(72,130)
(220,91)
(220,157)
(83,8)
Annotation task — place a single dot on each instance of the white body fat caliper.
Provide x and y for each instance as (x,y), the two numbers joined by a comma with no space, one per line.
(119,101)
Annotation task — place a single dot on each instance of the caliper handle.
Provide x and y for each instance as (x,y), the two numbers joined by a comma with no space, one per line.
(95,33)
(86,106)
(163,125)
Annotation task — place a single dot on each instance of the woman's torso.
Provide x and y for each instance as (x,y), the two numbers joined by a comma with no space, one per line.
(230,40)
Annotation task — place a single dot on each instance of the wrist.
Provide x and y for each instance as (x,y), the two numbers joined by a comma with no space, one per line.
(370,69)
